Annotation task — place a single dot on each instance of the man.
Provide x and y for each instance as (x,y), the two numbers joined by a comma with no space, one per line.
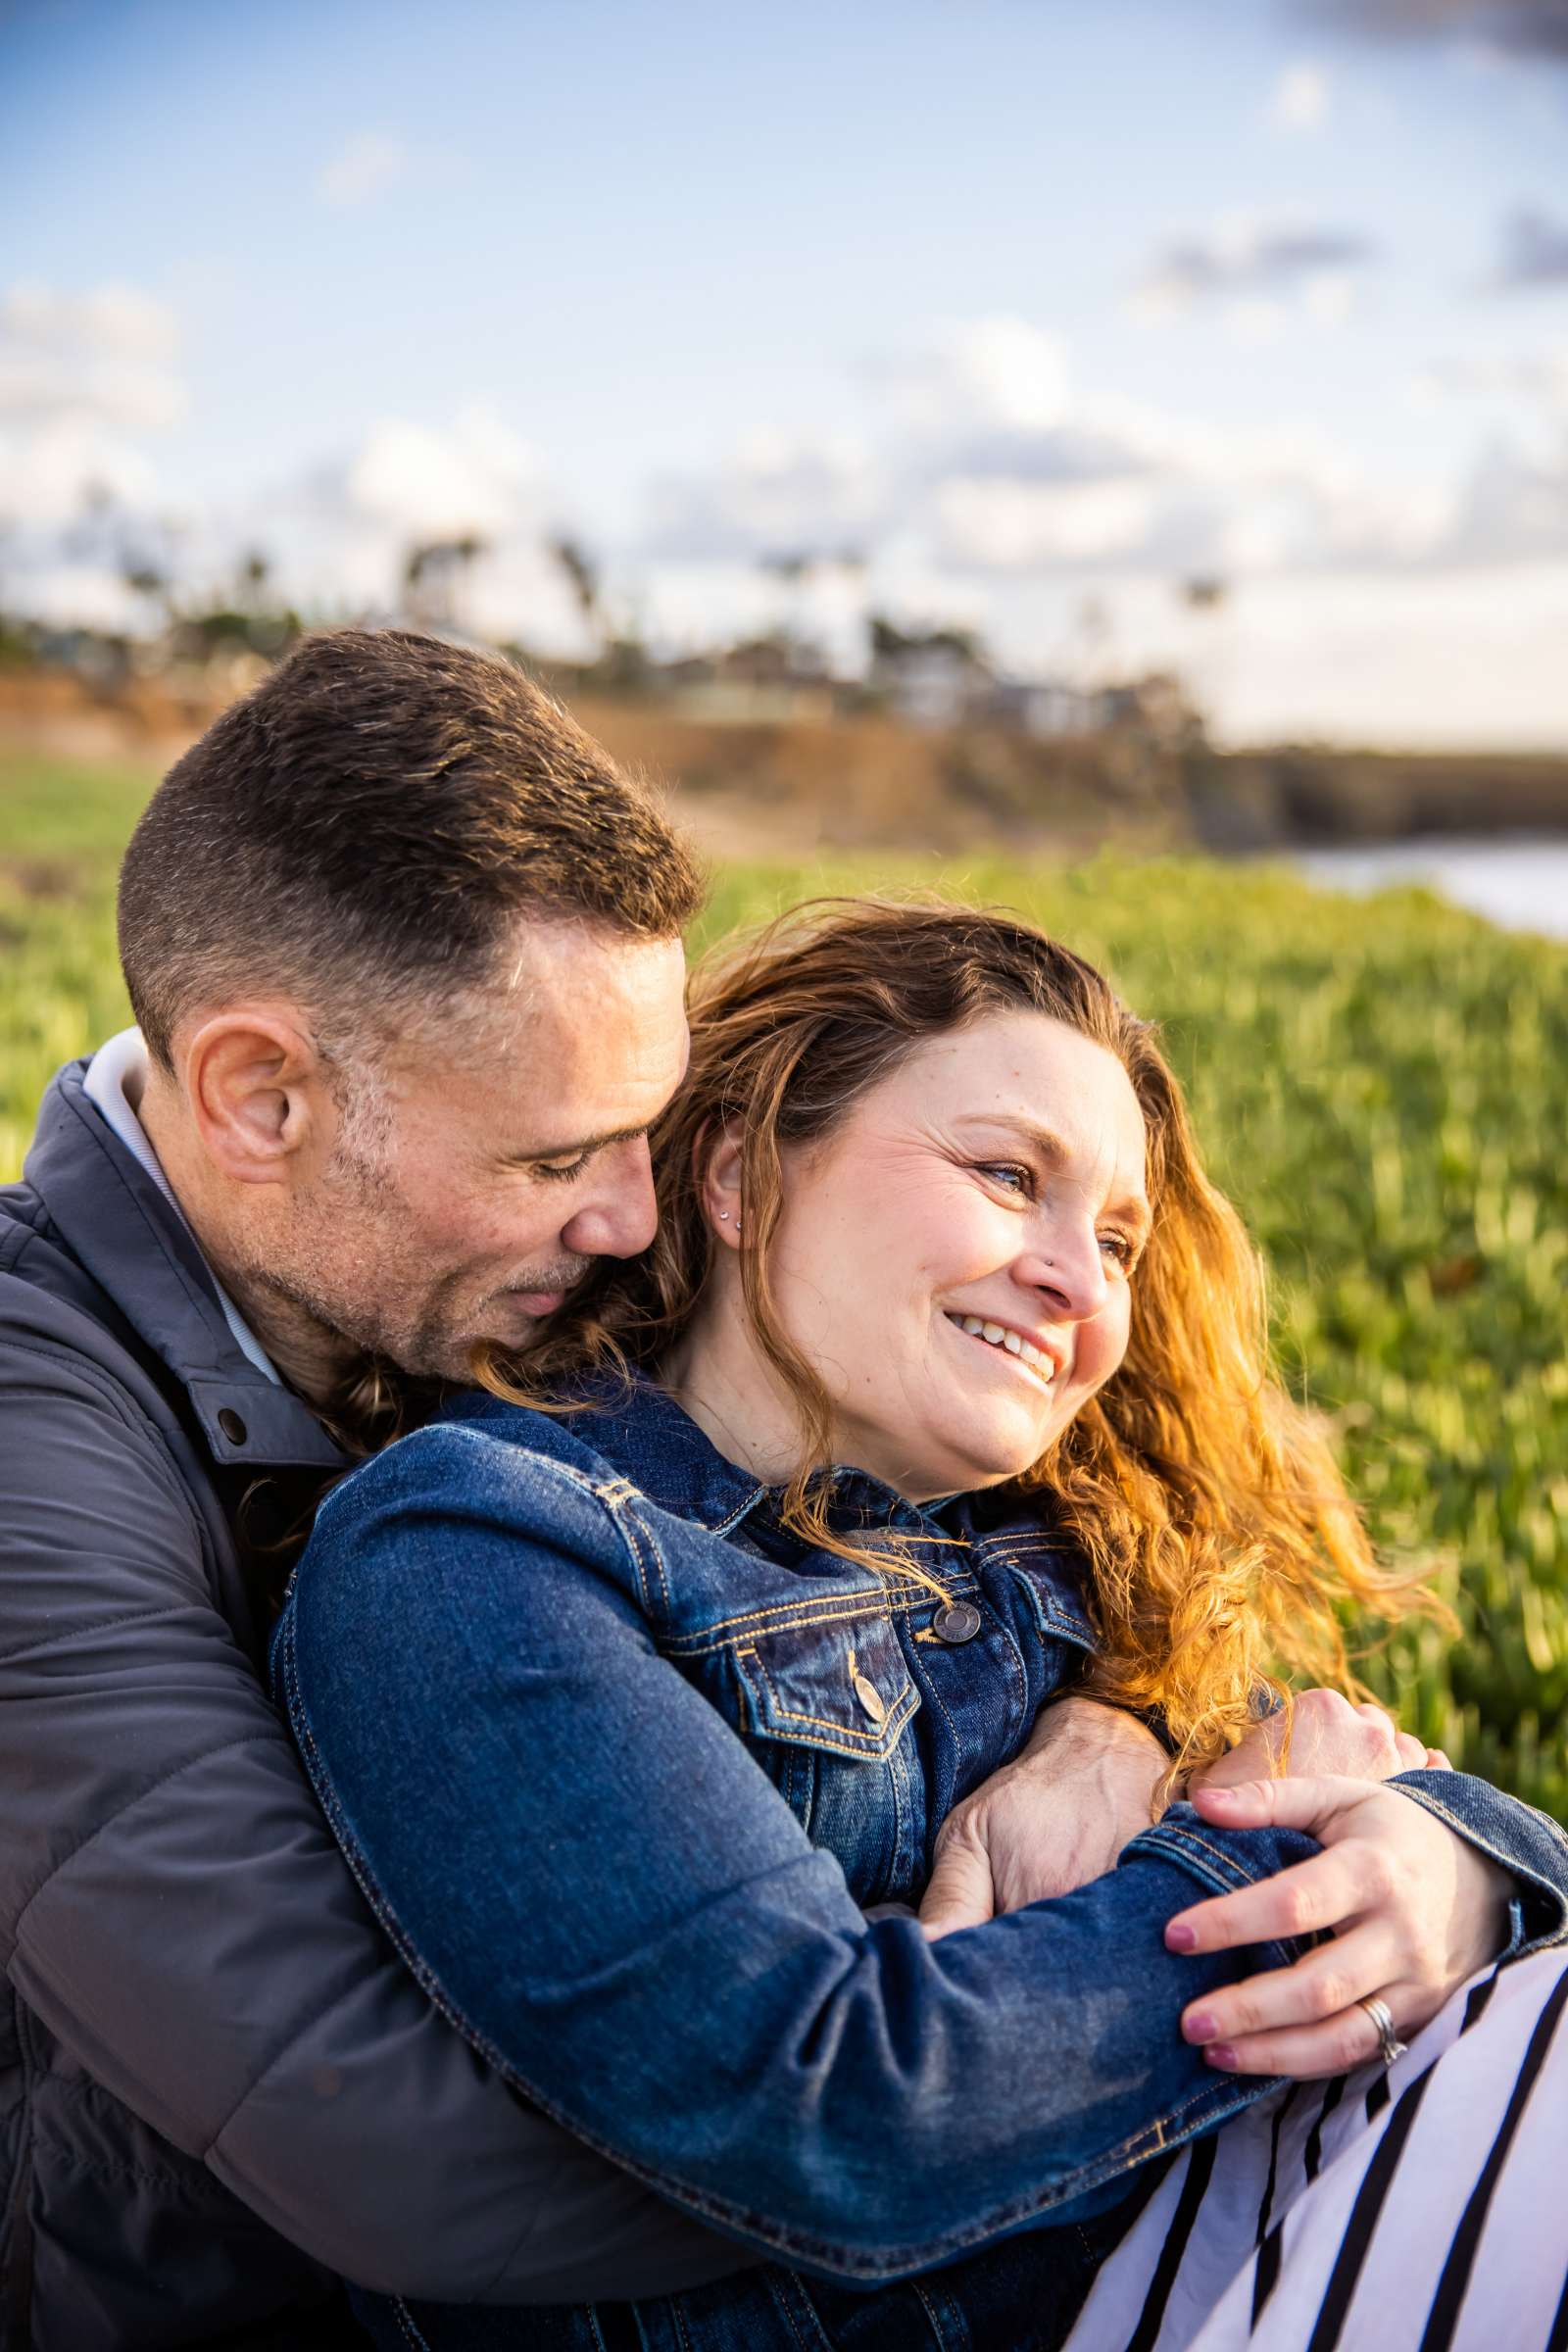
(404,949)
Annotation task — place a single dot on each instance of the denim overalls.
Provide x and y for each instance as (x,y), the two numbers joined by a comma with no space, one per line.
(622,1765)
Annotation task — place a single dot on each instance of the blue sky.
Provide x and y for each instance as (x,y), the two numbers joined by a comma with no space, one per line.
(1027,303)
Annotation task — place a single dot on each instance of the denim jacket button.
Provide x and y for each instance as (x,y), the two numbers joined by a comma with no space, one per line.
(959,1622)
(871,1699)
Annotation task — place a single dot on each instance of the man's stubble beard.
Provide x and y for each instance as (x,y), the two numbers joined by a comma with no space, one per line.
(333,1276)
(367,1312)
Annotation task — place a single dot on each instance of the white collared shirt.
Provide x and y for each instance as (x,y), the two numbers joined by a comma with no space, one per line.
(116,1072)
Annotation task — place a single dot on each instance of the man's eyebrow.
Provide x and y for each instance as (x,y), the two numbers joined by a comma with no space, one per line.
(1134,1208)
(576,1149)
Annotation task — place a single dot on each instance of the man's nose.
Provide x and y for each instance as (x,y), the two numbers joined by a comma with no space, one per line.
(1067,1266)
(622,1215)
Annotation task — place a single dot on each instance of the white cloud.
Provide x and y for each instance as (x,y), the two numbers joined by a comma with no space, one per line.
(1536,379)
(1116,483)
(340,539)
(1179,497)
(1329,297)
(1256,321)
(363,169)
(1301,99)
(998,374)
(775,494)
(1519,397)
(1246,260)
(430,483)
(55,473)
(991,463)
(1000,525)
(992,400)
(115,318)
(1511,504)
(108,355)
(84,380)
(1514,504)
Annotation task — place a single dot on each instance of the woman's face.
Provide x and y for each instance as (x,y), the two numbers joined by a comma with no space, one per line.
(954,1258)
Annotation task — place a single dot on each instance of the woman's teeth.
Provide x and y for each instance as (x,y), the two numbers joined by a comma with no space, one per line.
(997,1335)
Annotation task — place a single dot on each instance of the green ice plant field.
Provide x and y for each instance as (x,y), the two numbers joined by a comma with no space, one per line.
(1381,1086)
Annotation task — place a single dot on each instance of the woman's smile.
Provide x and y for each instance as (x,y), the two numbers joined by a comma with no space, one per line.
(1007,1341)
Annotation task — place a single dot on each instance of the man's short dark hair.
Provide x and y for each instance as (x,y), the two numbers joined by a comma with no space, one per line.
(362,831)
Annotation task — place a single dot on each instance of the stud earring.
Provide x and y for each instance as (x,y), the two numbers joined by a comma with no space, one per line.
(723,1216)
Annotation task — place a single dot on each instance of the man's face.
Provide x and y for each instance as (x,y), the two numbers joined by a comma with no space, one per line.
(508,1152)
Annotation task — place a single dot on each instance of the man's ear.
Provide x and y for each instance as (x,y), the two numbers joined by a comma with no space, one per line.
(718,1174)
(256,1089)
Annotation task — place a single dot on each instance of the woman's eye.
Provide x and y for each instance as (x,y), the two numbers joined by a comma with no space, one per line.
(1120,1247)
(1008,1173)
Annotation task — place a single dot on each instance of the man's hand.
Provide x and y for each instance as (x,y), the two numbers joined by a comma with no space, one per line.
(1052,1819)
(1330,1739)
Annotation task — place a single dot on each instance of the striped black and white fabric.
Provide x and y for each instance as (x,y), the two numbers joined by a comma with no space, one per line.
(1422,2208)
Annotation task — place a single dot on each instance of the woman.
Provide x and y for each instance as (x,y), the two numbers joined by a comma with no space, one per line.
(629,1695)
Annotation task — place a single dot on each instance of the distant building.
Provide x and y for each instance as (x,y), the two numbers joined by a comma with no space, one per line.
(763,679)
(930,679)
(1155,705)
(1041,708)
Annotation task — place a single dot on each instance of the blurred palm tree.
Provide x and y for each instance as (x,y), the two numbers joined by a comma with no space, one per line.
(583,575)
(435,575)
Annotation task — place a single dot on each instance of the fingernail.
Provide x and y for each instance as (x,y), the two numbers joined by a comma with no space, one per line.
(1201,2027)
(1220,2054)
(1180,1939)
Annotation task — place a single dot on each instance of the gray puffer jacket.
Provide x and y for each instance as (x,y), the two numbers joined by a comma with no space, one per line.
(217,2086)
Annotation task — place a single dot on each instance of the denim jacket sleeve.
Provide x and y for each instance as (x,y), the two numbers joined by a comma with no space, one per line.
(603,1891)
(1526,1843)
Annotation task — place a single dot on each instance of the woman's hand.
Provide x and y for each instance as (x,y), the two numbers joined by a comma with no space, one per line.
(1329,1737)
(1411,1909)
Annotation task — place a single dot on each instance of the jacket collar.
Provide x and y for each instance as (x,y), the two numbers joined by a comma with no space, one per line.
(639,1429)
(140,1250)
(643,1433)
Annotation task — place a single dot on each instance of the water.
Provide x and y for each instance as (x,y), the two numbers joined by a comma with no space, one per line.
(1521,883)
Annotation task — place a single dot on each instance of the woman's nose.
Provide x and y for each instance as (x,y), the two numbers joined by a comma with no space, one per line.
(1068,1269)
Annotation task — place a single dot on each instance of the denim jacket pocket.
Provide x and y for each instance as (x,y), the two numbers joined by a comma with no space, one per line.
(840,1684)
(1053,1603)
(825,1704)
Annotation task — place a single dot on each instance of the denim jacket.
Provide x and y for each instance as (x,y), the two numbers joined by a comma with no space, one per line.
(621,1763)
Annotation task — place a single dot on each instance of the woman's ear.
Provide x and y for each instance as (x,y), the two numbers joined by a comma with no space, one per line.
(720,1176)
